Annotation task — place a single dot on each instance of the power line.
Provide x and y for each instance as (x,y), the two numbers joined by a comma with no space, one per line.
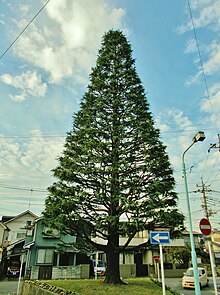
(201,64)
(62,135)
(22,188)
(22,203)
(34,136)
(211,173)
(19,35)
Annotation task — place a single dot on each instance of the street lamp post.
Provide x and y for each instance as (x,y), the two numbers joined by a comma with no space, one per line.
(200,136)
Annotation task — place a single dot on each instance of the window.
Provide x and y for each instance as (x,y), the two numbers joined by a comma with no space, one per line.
(20,235)
(45,256)
(28,223)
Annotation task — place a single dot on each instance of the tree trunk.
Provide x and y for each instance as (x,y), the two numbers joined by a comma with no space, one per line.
(112,257)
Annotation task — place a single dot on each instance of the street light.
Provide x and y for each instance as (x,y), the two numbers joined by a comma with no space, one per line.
(200,136)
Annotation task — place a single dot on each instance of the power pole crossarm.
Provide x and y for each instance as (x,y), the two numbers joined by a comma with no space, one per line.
(215,145)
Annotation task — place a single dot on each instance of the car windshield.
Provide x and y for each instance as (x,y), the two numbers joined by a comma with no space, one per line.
(101,263)
(189,272)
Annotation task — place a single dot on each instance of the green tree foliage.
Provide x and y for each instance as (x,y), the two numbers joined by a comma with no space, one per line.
(114,177)
(180,256)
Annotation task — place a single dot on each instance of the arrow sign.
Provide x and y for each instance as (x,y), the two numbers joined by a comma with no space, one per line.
(157,237)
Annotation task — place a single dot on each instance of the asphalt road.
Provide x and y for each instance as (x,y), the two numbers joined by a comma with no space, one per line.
(176,284)
(8,287)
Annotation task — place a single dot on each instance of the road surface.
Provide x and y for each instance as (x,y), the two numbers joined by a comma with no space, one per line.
(8,287)
(176,284)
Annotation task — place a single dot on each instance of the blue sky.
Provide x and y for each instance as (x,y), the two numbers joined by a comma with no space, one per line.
(45,73)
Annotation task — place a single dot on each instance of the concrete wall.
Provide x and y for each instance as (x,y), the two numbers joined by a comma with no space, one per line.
(27,289)
(174,273)
(71,272)
(40,288)
(128,270)
(64,272)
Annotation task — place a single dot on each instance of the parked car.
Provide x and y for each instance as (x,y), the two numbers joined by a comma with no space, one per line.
(188,278)
(100,268)
(13,269)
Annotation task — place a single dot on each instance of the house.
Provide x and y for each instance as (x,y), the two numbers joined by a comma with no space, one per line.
(50,254)
(196,236)
(142,262)
(12,230)
(27,244)
(18,225)
(4,232)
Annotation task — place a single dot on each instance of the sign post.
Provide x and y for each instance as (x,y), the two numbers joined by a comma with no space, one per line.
(157,258)
(22,257)
(159,238)
(162,270)
(206,229)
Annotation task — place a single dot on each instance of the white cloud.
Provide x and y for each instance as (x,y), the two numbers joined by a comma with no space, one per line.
(206,16)
(176,131)
(28,83)
(27,165)
(199,3)
(66,43)
(35,159)
(24,8)
(194,79)
(205,12)
(180,120)
(213,103)
(40,153)
(212,65)
(190,46)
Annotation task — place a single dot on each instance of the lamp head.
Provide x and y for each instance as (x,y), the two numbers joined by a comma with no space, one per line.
(200,136)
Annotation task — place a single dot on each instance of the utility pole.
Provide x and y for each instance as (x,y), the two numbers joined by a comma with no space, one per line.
(203,190)
(209,240)
(215,145)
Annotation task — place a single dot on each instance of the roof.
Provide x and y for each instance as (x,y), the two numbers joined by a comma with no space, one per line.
(23,213)
(7,218)
(187,233)
(4,226)
(28,245)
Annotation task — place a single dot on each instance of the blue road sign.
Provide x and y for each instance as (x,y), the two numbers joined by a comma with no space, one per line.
(157,237)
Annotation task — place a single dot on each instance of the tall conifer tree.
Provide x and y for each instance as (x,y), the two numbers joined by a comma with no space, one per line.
(114,177)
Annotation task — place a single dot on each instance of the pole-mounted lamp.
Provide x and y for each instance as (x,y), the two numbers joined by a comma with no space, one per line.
(200,136)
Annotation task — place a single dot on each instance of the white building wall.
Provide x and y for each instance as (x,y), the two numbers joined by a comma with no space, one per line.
(17,226)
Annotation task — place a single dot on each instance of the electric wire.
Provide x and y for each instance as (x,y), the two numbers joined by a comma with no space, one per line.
(216,160)
(206,160)
(216,175)
(19,35)
(34,136)
(205,81)
(20,202)
(22,188)
(202,66)
(63,136)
